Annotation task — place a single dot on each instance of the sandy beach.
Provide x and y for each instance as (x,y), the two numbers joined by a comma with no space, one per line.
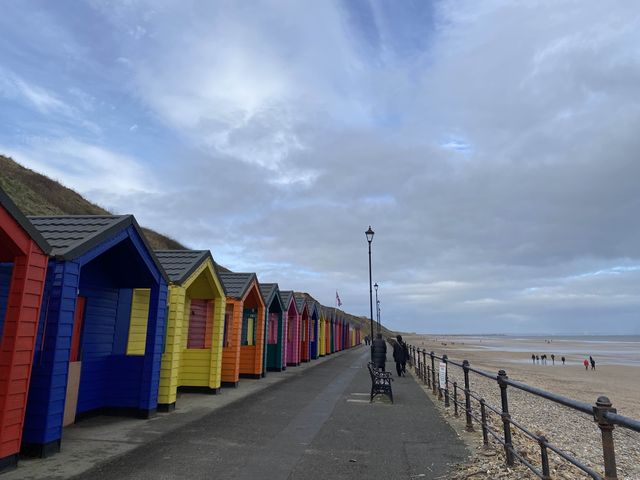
(617,375)
(620,382)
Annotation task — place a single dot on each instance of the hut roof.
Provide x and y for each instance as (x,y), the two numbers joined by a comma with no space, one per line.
(24,222)
(236,284)
(180,264)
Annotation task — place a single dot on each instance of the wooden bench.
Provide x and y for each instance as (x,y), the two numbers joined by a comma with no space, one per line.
(380,382)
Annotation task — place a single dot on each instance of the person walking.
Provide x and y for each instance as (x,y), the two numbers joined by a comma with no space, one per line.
(553,359)
(563,360)
(379,352)
(586,364)
(399,355)
(593,362)
(533,358)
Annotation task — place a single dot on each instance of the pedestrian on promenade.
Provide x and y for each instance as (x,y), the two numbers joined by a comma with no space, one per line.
(563,360)
(553,359)
(405,347)
(366,339)
(399,355)
(593,362)
(586,364)
(379,352)
(533,358)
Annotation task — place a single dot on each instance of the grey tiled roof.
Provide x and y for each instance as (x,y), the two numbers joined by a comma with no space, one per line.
(269,293)
(180,264)
(285,297)
(23,221)
(300,301)
(71,234)
(236,284)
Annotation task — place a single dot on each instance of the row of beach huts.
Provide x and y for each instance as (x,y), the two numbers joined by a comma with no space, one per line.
(92,320)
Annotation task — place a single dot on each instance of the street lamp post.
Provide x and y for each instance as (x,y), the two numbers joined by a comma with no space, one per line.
(369,234)
(375,285)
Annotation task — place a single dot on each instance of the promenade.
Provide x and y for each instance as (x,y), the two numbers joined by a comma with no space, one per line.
(313,421)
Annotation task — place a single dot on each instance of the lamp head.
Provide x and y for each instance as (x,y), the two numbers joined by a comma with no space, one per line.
(369,233)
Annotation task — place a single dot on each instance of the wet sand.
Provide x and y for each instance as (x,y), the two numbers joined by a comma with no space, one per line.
(619,382)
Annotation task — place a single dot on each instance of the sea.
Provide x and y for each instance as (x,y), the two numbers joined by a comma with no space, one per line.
(605,349)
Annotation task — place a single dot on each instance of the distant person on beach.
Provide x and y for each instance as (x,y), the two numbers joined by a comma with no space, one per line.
(593,362)
(379,352)
(537,359)
(543,358)
(553,359)
(563,360)
(399,355)
(586,364)
(533,358)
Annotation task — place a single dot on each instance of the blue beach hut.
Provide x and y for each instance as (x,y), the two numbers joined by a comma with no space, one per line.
(314,319)
(82,364)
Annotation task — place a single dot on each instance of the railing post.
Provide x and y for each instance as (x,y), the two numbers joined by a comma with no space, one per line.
(544,457)
(467,395)
(455,398)
(424,362)
(446,381)
(433,372)
(418,362)
(428,376)
(508,444)
(603,405)
(483,417)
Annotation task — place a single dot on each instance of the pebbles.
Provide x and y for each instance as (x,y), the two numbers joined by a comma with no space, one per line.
(574,433)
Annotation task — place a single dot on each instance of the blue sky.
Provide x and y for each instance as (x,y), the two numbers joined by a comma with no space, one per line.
(491,145)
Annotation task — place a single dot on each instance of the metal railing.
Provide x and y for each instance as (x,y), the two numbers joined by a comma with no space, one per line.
(602,412)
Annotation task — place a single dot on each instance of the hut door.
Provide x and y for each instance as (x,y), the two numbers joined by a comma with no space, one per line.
(75,365)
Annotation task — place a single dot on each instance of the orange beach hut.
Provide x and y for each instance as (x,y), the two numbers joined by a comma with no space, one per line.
(243,336)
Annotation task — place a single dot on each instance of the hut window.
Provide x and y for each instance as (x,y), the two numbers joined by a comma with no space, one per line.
(200,324)
(248,328)
(138,322)
(228,315)
(273,329)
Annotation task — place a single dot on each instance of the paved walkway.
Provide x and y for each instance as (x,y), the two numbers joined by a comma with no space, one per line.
(319,424)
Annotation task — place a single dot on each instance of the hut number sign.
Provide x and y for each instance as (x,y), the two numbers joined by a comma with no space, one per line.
(443,375)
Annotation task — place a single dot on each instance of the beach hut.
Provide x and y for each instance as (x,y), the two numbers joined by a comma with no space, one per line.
(292,319)
(192,357)
(276,328)
(82,363)
(23,267)
(303,309)
(321,310)
(327,330)
(314,324)
(242,352)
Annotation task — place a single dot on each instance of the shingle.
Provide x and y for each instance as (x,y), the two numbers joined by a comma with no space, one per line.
(236,284)
(300,301)
(285,298)
(179,264)
(67,233)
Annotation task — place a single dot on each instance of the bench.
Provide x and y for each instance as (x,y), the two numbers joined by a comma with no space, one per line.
(380,382)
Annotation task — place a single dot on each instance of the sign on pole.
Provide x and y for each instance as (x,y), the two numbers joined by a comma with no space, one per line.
(443,375)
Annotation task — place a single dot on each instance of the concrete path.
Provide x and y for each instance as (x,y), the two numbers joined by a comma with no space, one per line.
(318,425)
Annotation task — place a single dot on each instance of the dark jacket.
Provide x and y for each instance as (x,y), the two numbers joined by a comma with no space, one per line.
(399,354)
(379,351)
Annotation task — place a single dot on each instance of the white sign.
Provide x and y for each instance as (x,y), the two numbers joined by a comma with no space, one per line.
(443,375)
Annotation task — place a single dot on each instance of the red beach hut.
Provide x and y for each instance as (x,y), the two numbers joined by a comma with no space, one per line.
(23,267)
(305,330)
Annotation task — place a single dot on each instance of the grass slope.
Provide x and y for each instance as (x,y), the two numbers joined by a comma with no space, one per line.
(36,194)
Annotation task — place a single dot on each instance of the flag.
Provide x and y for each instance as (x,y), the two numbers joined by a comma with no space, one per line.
(338,301)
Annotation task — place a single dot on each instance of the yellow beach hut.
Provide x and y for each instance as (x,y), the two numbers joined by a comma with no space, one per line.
(192,355)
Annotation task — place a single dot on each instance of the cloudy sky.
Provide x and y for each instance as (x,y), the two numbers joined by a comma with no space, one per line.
(493,146)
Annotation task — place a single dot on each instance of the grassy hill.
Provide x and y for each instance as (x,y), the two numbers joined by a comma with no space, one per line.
(37,194)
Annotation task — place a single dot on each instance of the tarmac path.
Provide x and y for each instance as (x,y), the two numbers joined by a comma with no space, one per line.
(315,426)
